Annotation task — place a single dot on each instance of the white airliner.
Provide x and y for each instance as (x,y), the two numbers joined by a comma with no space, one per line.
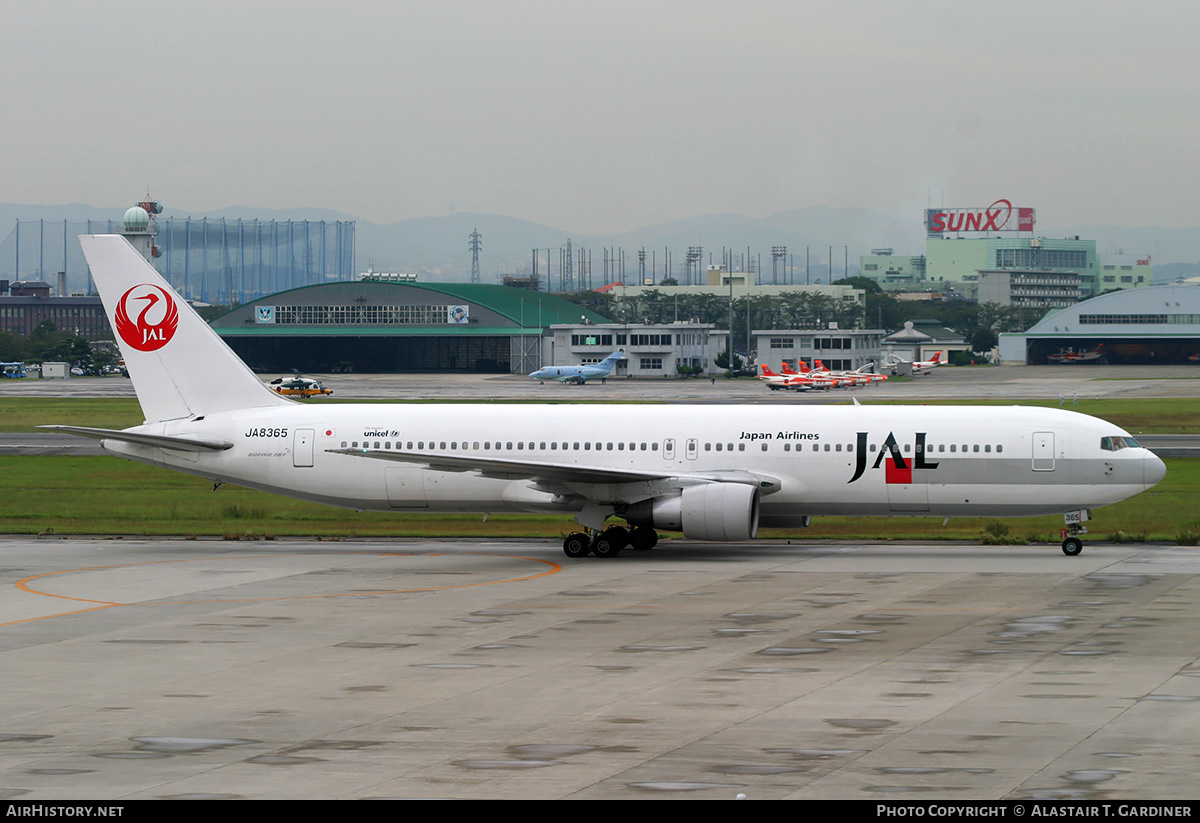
(712,472)
(579,374)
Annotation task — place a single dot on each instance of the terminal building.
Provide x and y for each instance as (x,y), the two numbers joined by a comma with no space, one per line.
(1154,324)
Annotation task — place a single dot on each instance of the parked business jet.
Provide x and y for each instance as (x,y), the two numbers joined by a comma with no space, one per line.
(579,374)
(711,472)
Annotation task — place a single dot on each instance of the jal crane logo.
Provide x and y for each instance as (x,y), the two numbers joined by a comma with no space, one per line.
(157,317)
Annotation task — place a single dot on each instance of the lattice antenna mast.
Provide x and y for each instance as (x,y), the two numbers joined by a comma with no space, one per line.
(568,268)
(475,246)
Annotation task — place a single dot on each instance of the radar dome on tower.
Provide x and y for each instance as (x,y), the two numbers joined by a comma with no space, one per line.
(136,218)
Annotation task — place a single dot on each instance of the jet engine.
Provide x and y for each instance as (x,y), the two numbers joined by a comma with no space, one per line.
(712,511)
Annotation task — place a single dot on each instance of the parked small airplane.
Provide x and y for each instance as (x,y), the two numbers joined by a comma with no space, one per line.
(1078,357)
(712,472)
(919,366)
(579,374)
(298,386)
(777,381)
(818,378)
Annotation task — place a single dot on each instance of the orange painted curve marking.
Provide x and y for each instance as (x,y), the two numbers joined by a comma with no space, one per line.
(24,583)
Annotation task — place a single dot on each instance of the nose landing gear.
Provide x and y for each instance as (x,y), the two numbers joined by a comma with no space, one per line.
(1071,544)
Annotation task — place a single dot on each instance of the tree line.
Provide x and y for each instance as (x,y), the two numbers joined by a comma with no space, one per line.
(50,344)
(978,323)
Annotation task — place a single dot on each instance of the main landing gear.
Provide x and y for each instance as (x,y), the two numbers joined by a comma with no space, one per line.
(610,542)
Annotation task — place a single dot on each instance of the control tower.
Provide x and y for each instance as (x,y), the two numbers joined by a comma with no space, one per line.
(139,228)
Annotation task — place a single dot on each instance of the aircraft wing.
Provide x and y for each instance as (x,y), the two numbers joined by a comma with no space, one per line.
(550,472)
(161,441)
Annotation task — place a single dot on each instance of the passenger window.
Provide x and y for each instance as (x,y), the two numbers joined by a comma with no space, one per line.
(719,446)
(987,447)
(953,447)
(999,448)
(975,448)
(838,447)
(741,447)
(343,444)
(764,446)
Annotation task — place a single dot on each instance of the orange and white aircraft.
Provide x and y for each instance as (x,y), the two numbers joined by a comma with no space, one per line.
(922,366)
(813,378)
(1073,357)
(773,380)
(860,376)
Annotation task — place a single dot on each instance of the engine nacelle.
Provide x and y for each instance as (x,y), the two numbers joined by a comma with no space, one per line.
(713,511)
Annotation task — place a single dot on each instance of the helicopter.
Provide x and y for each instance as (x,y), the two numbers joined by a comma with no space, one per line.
(299,386)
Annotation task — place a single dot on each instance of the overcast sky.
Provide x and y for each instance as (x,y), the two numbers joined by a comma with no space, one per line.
(599,117)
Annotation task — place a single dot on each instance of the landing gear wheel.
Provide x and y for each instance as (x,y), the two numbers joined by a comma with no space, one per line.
(643,539)
(576,545)
(618,534)
(1072,546)
(607,544)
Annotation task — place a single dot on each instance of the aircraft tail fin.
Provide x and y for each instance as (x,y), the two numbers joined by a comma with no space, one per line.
(767,371)
(179,366)
(610,361)
(937,357)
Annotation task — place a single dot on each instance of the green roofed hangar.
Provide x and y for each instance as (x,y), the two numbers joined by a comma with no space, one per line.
(389,325)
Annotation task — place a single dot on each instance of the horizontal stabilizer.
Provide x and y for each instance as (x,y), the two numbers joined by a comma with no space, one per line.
(162,441)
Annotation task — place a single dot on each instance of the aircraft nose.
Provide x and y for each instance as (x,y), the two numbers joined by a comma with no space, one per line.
(1153,470)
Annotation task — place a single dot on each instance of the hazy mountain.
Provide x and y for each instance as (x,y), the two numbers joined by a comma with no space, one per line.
(442,243)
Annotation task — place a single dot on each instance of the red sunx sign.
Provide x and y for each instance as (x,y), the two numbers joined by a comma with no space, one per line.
(1000,216)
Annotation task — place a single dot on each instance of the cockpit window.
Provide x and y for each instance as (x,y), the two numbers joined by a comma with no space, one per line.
(1116,443)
